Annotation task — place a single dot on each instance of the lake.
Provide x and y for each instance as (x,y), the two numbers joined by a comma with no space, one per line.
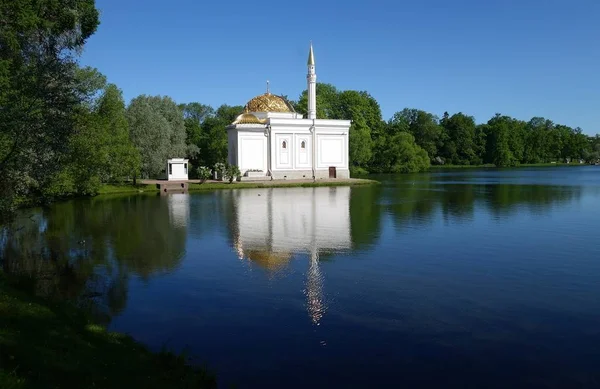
(457,278)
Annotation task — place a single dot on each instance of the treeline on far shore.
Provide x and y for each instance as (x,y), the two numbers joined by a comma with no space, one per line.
(66,131)
(413,139)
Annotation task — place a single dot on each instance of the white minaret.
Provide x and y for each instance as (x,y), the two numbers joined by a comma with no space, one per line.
(311,79)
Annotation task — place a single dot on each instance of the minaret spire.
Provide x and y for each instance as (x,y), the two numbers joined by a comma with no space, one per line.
(311,79)
(311,56)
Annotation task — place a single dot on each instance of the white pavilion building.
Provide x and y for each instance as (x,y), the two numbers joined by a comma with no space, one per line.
(271,141)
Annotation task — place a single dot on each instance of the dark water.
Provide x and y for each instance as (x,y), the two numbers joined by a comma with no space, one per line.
(463,278)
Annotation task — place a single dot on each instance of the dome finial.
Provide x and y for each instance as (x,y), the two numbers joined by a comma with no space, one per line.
(268,90)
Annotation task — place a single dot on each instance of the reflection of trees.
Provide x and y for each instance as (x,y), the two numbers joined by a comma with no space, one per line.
(505,199)
(85,251)
(418,200)
(365,215)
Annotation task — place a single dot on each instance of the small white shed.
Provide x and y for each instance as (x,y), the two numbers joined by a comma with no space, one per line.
(177,169)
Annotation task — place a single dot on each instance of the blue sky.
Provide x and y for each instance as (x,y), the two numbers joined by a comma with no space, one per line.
(520,58)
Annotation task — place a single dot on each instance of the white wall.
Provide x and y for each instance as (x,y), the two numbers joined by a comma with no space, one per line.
(232,147)
(178,170)
(331,147)
(294,156)
(303,151)
(284,151)
(248,147)
(332,151)
(252,151)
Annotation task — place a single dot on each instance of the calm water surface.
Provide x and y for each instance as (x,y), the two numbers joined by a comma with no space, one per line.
(482,278)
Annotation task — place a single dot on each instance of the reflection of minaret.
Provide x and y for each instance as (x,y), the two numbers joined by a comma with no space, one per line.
(314,289)
(314,280)
(271,225)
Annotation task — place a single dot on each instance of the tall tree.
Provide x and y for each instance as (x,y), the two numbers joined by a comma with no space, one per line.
(194,115)
(100,150)
(358,106)
(505,140)
(327,101)
(158,132)
(364,111)
(213,143)
(459,140)
(424,127)
(123,158)
(39,42)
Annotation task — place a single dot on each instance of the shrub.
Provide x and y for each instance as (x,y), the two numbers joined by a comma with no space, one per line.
(204,173)
(220,169)
(232,172)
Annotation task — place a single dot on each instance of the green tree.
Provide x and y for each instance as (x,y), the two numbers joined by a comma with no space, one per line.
(100,150)
(123,158)
(578,144)
(424,127)
(358,106)
(403,155)
(39,42)
(539,146)
(505,141)
(194,115)
(395,150)
(213,143)
(158,132)
(327,102)
(365,113)
(460,145)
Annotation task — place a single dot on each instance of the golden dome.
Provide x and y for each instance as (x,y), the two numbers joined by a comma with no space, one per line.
(268,103)
(268,260)
(248,118)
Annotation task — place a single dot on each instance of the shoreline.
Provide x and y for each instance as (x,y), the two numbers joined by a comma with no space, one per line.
(149,186)
(491,166)
(33,352)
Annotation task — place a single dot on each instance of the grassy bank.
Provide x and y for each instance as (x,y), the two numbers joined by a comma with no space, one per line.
(44,345)
(278,184)
(126,188)
(142,188)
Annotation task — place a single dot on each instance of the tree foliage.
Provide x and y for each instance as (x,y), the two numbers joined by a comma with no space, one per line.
(460,144)
(65,130)
(213,144)
(157,131)
(359,107)
(424,127)
(39,99)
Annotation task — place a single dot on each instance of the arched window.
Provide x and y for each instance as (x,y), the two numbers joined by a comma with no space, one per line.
(303,145)
(284,145)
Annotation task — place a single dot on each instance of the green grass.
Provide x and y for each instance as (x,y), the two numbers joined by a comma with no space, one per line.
(45,345)
(278,184)
(109,189)
(126,188)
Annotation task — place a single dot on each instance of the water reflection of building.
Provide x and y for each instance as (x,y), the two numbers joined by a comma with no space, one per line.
(271,225)
(179,209)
